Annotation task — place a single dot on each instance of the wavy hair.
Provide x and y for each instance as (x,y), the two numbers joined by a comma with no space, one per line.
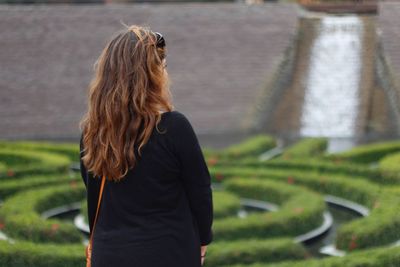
(129,89)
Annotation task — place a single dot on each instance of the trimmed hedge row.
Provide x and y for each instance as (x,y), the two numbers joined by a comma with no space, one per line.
(300,211)
(378,257)
(307,147)
(385,206)
(20,214)
(70,150)
(251,146)
(253,250)
(381,227)
(225,204)
(3,168)
(22,253)
(357,190)
(389,166)
(19,163)
(351,170)
(13,186)
(368,153)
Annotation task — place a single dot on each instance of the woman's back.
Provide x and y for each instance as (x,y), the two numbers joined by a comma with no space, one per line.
(161,212)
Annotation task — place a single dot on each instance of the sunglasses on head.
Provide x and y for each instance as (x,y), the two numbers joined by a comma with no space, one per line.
(160,40)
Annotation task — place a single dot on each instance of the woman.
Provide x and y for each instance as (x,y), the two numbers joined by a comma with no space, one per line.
(156,209)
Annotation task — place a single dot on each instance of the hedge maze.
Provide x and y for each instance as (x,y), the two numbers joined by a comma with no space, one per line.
(292,187)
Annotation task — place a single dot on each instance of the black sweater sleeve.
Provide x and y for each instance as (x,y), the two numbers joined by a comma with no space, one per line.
(92,188)
(194,175)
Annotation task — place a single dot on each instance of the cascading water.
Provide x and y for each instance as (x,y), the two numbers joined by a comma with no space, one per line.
(332,87)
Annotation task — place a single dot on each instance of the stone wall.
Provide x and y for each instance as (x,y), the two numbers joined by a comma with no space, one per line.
(219,56)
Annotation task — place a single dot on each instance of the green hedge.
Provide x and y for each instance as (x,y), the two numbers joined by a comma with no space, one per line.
(307,147)
(20,214)
(253,250)
(300,211)
(381,227)
(389,166)
(70,150)
(357,190)
(3,168)
(351,170)
(368,153)
(378,257)
(23,254)
(385,207)
(225,204)
(251,146)
(29,254)
(21,162)
(10,187)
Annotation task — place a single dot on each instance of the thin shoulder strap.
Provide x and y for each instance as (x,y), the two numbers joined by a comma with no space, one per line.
(98,205)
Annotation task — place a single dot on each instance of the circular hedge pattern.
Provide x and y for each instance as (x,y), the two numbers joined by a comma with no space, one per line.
(36,176)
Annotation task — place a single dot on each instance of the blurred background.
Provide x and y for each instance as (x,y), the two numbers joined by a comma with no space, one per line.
(300,96)
(236,68)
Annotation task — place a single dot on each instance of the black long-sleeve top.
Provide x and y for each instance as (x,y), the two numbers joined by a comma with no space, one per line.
(167,194)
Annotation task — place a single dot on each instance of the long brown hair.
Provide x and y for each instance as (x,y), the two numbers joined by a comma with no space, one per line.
(129,89)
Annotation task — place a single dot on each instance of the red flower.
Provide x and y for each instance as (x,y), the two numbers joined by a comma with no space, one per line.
(212,161)
(10,173)
(219,176)
(2,225)
(298,210)
(290,180)
(55,227)
(338,161)
(73,184)
(52,230)
(353,243)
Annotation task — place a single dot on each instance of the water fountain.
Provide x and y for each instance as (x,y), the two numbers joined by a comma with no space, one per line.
(331,99)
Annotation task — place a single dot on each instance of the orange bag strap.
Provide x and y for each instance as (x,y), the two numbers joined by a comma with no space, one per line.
(98,206)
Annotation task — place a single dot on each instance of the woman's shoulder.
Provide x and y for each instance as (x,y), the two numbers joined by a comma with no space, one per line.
(174,116)
(176,120)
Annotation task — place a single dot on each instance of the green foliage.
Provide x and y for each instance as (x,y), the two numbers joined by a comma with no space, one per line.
(70,150)
(389,166)
(385,206)
(300,211)
(225,204)
(307,147)
(20,214)
(322,167)
(250,250)
(24,254)
(33,179)
(251,146)
(368,153)
(357,190)
(379,257)
(12,186)
(25,162)
(381,227)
